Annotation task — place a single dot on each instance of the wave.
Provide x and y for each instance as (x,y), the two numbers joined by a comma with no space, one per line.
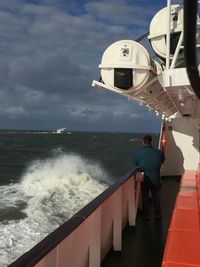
(23,132)
(49,193)
(135,139)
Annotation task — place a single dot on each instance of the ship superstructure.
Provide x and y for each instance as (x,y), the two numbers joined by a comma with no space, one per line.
(162,85)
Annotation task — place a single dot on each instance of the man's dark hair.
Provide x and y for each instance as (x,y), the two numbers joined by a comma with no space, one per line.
(147,139)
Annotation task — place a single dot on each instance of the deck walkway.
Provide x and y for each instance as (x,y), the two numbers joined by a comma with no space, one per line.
(143,245)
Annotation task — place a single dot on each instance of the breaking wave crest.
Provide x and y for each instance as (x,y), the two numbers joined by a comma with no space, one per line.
(49,193)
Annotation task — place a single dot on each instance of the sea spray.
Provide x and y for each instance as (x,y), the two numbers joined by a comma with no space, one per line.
(52,190)
(59,187)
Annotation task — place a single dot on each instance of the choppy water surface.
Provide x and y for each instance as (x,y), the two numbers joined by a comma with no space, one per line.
(45,178)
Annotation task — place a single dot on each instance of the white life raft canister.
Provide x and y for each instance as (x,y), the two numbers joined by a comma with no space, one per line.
(126,65)
(158,30)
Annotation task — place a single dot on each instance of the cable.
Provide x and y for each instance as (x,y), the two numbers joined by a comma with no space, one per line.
(142,37)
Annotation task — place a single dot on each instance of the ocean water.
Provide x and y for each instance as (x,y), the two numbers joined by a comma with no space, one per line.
(45,178)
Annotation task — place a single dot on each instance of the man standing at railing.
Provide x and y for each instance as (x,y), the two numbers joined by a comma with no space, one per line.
(149,161)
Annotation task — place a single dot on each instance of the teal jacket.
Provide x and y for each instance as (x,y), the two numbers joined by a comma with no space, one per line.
(149,160)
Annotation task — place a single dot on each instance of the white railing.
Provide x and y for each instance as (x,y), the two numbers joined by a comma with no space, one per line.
(87,237)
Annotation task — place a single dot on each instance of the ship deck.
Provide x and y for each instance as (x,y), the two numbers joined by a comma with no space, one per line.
(144,244)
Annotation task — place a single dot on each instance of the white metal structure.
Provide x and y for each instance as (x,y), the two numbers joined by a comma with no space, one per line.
(165,89)
(167,93)
(159,32)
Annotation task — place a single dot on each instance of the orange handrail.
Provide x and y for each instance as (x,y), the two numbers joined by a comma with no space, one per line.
(183,240)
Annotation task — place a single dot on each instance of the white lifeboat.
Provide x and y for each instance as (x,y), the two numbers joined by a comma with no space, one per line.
(158,30)
(128,69)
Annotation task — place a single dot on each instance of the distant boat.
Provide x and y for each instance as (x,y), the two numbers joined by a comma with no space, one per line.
(61,130)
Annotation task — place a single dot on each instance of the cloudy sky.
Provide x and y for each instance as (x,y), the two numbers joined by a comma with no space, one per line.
(50,51)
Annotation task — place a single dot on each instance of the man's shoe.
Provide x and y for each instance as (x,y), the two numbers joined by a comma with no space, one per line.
(145,218)
(158,218)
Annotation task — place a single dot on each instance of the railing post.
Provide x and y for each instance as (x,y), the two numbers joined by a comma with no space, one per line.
(117,220)
(131,205)
(95,239)
(137,195)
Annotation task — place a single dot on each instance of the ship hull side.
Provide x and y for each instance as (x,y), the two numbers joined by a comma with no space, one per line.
(182,146)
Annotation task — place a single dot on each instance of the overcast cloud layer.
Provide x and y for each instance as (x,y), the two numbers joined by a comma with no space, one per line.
(50,51)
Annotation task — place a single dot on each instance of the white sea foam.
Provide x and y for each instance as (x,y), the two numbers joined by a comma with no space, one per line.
(9,196)
(53,190)
(134,139)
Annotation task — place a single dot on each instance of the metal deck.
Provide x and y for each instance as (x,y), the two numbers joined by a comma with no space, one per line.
(143,245)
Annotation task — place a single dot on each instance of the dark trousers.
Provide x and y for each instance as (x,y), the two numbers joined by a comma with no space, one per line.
(147,186)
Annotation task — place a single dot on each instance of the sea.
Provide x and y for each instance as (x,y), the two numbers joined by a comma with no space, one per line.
(46,177)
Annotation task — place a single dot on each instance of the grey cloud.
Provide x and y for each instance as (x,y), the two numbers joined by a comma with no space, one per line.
(11,5)
(50,74)
(120,12)
(49,57)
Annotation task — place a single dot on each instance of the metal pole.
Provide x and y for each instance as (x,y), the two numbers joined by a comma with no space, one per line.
(177,50)
(168,33)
